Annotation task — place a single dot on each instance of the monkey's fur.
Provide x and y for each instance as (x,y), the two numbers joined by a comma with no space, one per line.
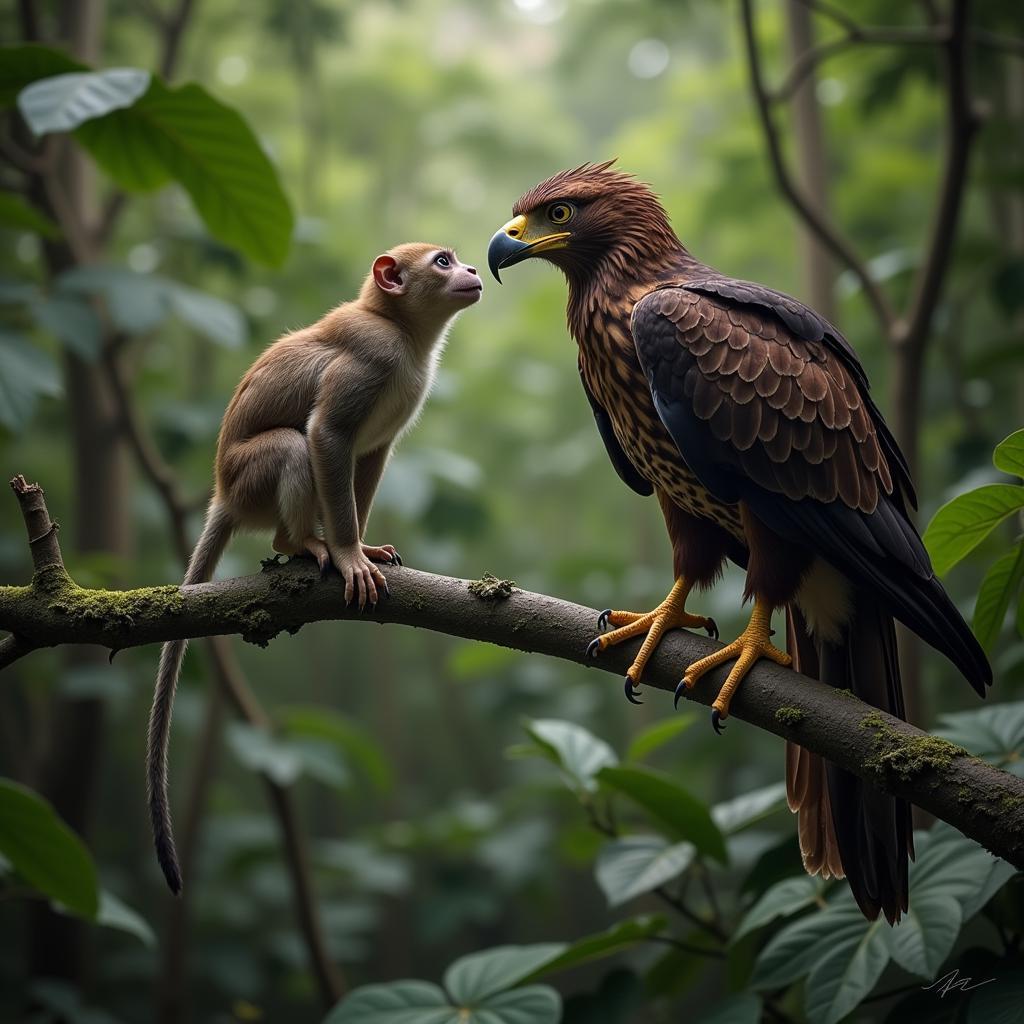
(304,442)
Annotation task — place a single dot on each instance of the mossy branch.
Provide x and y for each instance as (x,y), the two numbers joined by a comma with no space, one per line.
(982,801)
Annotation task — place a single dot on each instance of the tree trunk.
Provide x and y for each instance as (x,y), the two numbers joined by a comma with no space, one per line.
(101,525)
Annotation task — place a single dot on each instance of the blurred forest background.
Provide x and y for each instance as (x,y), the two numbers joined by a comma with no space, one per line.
(367,818)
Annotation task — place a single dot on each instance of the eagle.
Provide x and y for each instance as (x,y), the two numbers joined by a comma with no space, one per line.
(749,417)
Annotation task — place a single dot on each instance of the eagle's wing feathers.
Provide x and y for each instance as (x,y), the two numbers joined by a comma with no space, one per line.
(626,470)
(780,421)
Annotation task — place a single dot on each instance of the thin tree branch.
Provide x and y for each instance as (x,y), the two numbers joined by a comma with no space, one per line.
(817,55)
(962,125)
(982,801)
(829,235)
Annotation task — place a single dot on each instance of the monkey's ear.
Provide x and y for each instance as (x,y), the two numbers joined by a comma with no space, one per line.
(387,275)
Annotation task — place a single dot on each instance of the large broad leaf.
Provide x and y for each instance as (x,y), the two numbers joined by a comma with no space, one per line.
(1009,454)
(22,65)
(925,935)
(579,753)
(633,865)
(16,213)
(399,1002)
(350,738)
(854,959)
(999,587)
(473,978)
(44,851)
(140,302)
(963,523)
(284,760)
(73,322)
(62,102)
(782,900)
(995,733)
(657,735)
(681,813)
(736,814)
(742,1008)
(207,147)
(594,947)
(1000,1001)
(26,372)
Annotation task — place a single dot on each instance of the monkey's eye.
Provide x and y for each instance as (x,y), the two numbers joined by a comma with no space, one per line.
(442,261)
(560,213)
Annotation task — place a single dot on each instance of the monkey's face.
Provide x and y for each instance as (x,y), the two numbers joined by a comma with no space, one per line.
(444,278)
(425,278)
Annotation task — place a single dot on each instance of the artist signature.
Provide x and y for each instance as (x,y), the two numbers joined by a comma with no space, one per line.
(951,981)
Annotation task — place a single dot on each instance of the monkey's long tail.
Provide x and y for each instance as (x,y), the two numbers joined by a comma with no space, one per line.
(215,536)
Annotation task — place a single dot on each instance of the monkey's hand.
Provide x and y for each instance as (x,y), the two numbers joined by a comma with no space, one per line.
(385,553)
(362,578)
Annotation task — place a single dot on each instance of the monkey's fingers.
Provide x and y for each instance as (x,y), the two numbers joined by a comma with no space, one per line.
(385,553)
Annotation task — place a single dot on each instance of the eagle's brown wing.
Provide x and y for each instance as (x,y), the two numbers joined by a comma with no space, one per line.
(783,422)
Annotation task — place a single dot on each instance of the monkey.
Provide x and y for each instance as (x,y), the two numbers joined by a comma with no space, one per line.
(304,442)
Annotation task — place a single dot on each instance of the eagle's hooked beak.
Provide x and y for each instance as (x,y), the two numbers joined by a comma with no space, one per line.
(512,244)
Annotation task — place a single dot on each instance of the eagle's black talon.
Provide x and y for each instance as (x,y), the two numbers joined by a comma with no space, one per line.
(602,619)
(631,691)
(712,628)
(716,720)
(594,647)
(680,691)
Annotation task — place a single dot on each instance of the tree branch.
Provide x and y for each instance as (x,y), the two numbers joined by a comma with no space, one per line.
(984,802)
(829,235)
(962,124)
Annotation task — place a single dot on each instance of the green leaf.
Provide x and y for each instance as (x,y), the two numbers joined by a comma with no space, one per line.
(419,1002)
(1009,454)
(657,735)
(16,213)
(72,322)
(963,523)
(633,865)
(44,851)
(926,933)
(998,1002)
(995,733)
(742,1008)
(534,1004)
(782,900)
(113,913)
(473,978)
(594,947)
(683,815)
(350,738)
(62,102)
(579,753)
(284,760)
(399,1002)
(997,590)
(26,372)
(221,322)
(207,147)
(140,302)
(793,952)
(856,955)
(22,65)
(736,814)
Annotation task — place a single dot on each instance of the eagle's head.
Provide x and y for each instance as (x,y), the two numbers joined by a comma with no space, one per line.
(584,220)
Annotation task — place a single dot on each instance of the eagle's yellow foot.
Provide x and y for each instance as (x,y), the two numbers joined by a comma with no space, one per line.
(753,643)
(670,614)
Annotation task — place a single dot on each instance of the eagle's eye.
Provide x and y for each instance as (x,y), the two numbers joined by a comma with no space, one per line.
(560,213)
